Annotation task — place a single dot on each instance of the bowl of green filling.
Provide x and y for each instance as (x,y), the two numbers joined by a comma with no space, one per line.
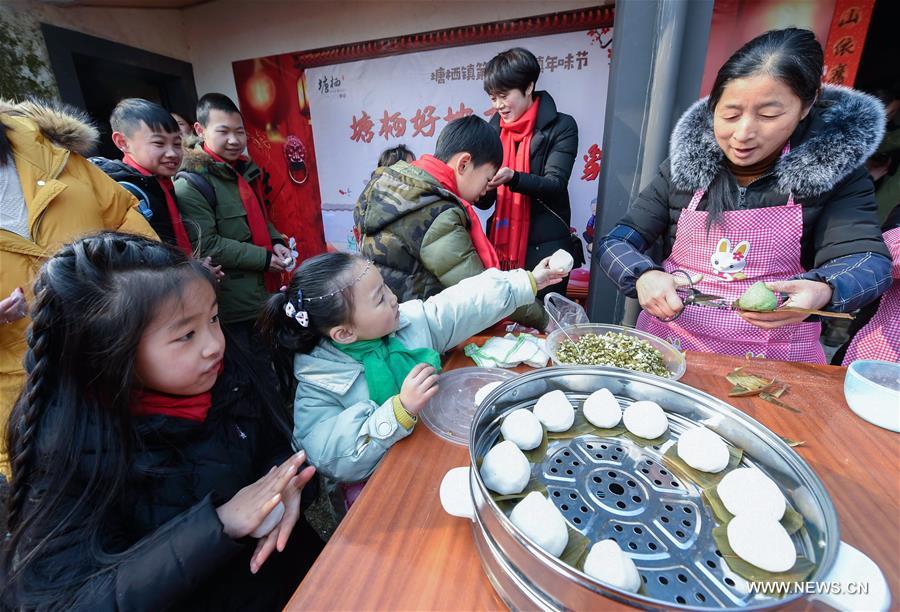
(615,346)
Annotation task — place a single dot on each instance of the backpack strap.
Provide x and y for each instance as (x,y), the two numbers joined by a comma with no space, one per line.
(142,197)
(199,182)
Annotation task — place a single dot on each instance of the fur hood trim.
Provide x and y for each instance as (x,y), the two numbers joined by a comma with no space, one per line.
(64,125)
(195,158)
(847,129)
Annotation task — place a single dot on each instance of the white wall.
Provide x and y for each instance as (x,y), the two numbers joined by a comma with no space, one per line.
(223,31)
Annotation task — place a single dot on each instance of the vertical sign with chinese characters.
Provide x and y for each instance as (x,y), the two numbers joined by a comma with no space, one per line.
(846,39)
(360,108)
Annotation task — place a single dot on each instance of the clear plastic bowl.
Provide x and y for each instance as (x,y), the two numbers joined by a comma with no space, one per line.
(872,390)
(672,357)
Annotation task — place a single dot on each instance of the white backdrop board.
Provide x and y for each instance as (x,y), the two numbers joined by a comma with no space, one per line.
(360,108)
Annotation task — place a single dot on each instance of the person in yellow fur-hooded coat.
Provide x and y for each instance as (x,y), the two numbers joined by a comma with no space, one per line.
(50,194)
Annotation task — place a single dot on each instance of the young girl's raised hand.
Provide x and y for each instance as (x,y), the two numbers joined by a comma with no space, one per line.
(545,276)
(244,512)
(278,537)
(418,387)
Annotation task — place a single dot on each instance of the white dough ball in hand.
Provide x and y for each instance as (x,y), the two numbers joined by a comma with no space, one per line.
(484,391)
(749,491)
(505,469)
(646,420)
(523,429)
(606,562)
(555,411)
(602,409)
(562,261)
(540,520)
(762,542)
(703,450)
(269,523)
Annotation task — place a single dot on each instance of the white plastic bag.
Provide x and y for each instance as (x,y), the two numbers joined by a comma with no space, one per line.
(563,312)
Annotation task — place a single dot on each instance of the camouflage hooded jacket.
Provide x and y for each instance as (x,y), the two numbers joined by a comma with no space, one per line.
(417,233)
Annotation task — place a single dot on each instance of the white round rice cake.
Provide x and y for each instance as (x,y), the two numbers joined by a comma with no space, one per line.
(484,391)
(645,419)
(523,429)
(749,491)
(505,469)
(541,521)
(562,261)
(555,411)
(606,562)
(602,409)
(703,450)
(762,542)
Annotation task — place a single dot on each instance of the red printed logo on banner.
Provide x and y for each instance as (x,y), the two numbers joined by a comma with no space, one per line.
(424,122)
(592,163)
(452,115)
(392,125)
(362,128)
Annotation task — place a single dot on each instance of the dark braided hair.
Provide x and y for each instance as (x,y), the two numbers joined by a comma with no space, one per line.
(70,435)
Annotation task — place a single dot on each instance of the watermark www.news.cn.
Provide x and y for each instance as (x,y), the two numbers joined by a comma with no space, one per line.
(810,588)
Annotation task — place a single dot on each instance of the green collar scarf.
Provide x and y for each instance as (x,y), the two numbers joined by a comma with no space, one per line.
(386,362)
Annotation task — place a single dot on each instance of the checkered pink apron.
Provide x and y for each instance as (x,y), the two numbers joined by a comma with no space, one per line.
(880,337)
(763,245)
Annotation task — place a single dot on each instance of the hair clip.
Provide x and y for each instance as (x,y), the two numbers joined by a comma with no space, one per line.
(300,316)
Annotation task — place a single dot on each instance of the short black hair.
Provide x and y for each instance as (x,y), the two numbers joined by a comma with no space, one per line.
(129,113)
(511,69)
(214,101)
(470,135)
(391,156)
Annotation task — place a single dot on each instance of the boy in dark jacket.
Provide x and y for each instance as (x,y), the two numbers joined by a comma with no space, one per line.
(416,221)
(150,141)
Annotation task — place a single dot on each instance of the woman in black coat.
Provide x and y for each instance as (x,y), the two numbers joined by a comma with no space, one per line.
(533,214)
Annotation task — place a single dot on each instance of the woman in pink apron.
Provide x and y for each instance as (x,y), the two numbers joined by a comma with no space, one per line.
(764,183)
(879,337)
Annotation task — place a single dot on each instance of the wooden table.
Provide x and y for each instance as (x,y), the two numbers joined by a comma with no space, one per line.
(398,550)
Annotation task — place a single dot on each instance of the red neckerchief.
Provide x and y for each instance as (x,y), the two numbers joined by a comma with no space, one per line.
(181,237)
(444,175)
(256,218)
(190,407)
(513,213)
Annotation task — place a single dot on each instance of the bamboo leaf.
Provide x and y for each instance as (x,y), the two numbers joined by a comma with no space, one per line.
(576,550)
(583,427)
(793,443)
(644,442)
(774,400)
(537,455)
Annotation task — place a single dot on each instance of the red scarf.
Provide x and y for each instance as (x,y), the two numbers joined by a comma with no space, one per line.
(256,218)
(513,212)
(181,237)
(444,175)
(190,407)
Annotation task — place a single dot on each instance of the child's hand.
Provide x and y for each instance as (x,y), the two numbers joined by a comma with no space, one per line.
(14,307)
(419,386)
(244,512)
(278,537)
(545,276)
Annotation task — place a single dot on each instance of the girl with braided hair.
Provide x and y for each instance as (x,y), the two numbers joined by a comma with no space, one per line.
(141,459)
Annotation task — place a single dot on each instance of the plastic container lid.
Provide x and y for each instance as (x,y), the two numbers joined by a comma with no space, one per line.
(872,390)
(449,414)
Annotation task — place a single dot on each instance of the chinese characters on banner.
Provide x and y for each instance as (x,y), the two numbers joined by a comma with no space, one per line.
(359,109)
(846,39)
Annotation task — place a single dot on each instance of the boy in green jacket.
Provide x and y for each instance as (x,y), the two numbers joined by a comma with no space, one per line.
(415,221)
(221,196)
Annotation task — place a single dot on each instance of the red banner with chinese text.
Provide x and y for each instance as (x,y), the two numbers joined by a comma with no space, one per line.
(846,40)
